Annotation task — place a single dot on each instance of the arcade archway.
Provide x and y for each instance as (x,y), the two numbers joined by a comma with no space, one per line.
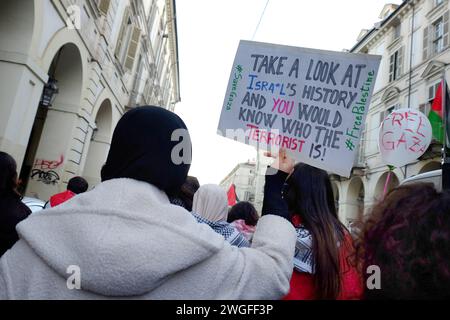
(100,143)
(44,160)
(381,185)
(430,166)
(355,200)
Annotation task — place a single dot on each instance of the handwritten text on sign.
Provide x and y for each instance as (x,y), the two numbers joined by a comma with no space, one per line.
(311,102)
(404,136)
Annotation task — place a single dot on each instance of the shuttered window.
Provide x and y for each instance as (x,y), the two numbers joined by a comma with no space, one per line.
(445,30)
(123,28)
(132,48)
(432,91)
(436,37)
(396,65)
(103,6)
(397,31)
(425,43)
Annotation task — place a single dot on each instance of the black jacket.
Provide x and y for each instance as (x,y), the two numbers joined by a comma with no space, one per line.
(273,202)
(12,211)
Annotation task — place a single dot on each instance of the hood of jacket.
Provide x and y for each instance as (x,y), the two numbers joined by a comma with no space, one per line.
(125,237)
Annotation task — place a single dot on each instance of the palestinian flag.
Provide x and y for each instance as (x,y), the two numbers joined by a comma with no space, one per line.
(232,197)
(436,115)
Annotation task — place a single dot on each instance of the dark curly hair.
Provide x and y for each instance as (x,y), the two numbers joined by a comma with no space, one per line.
(407,236)
(77,185)
(244,210)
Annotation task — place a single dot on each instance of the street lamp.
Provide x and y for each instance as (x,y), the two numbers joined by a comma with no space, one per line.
(49,93)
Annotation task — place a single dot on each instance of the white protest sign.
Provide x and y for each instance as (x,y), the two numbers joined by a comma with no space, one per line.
(311,102)
(404,136)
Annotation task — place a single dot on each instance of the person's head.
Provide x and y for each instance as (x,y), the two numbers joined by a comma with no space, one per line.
(407,236)
(150,144)
(187,191)
(243,210)
(309,194)
(8,175)
(77,185)
(211,203)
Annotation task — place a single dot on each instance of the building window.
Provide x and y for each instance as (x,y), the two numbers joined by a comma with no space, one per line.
(127,42)
(103,6)
(438,35)
(124,29)
(432,92)
(395,65)
(397,31)
(438,2)
(391,109)
(388,111)
(424,108)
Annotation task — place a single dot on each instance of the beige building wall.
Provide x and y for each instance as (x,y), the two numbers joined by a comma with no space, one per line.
(105,56)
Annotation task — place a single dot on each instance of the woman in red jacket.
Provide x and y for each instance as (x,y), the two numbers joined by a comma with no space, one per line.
(322,266)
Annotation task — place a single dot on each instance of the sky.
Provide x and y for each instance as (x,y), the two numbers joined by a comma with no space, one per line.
(209,32)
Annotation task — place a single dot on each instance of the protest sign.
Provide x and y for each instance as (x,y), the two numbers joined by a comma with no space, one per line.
(404,136)
(311,102)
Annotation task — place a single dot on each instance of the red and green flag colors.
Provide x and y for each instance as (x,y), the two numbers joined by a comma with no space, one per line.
(436,115)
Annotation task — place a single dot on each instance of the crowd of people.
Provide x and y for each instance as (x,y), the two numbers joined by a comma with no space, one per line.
(150,231)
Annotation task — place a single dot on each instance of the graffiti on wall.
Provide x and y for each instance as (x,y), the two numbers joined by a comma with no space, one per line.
(43,170)
(48,164)
(47,177)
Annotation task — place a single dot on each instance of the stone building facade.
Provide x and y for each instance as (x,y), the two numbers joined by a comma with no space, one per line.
(69,69)
(413,40)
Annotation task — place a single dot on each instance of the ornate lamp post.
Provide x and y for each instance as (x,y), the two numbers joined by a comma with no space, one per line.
(49,92)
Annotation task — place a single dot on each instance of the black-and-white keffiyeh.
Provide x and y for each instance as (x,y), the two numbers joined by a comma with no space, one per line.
(303,258)
(231,234)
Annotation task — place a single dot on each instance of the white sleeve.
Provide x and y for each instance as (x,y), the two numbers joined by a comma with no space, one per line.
(3,288)
(266,268)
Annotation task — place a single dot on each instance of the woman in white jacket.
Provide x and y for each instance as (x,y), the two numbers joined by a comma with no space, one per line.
(124,239)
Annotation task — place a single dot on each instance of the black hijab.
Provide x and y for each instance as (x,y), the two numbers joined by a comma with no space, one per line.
(141,149)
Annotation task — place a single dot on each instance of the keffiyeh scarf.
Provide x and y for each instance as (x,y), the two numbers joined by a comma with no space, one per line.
(303,258)
(231,234)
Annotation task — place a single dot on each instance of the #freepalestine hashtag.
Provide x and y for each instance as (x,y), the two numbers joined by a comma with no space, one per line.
(350,145)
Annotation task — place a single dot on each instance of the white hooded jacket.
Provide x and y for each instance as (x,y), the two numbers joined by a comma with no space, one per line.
(128,241)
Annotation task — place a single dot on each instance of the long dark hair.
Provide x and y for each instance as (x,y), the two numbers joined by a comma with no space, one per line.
(309,195)
(8,175)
